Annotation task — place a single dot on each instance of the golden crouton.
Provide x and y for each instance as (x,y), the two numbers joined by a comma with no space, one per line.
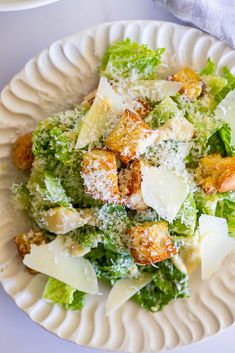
(191,84)
(142,108)
(99,171)
(127,135)
(216,174)
(150,242)
(130,186)
(22,152)
(25,240)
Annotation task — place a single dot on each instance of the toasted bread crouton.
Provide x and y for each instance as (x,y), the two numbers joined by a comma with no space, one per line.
(191,84)
(22,152)
(142,108)
(99,171)
(150,242)
(25,240)
(130,186)
(216,174)
(127,135)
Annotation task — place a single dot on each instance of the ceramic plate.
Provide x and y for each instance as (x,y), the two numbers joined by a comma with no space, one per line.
(59,77)
(14,5)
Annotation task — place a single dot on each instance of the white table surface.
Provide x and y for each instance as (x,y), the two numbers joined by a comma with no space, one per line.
(22,36)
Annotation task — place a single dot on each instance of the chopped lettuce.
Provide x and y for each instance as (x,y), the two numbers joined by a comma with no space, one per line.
(60,160)
(59,293)
(162,112)
(148,215)
(206,203)
(209,68)
(212,204)
(54,191)
(128,59)
(215,84)
(226,209)
(87,236)
(225,136)
(168,284)
(220,142)
(229,86)
(185,222)
(57,135)
(109,265)
(113,221)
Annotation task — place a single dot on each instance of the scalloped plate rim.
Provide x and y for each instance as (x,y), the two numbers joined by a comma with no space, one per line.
(24,5)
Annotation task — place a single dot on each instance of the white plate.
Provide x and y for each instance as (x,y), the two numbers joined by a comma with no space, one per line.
(14,5)
(54,81)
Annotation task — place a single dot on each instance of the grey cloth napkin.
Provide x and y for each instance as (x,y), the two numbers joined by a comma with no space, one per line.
(216,17)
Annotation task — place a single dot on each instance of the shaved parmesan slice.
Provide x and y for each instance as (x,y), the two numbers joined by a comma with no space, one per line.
(61,220)
(52,260)
(102,114)
(163,190)
(155,90)
(215,244)
(123,290)
(178,262)
(226,112)
(177,128)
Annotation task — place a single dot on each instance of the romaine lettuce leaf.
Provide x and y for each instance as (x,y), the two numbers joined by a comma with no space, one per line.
(215,84)
(226,209)
(230,84)
(185,222)
(113,222)
(87,236)
(206,203)
(109,265)
(168,283)
(209,68)
(205,124)
(54,143)
(162,112)
(128,59)
(59,293)
(57,135)
(225,136)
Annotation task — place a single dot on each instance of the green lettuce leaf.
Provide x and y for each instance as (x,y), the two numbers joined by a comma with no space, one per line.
(206,203)
(162,112)
(200,114)
(57,135)
(60,293)
(185,222)
(54,191)
(226,209)
(87,236)
(220,142)
(54,143)
(113,221)
(215,84)
(230,84)
(109,265)
(225,136)
(128,59)
(209,68)
(168,284)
